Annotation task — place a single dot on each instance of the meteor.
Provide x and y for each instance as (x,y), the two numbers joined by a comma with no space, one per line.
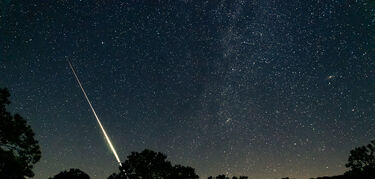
(96,116)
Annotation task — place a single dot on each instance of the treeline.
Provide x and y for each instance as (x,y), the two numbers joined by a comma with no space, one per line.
(225,177)
(19,151)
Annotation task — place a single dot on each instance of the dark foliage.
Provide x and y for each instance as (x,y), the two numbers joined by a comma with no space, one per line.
(151,165)
(362,159)
(71,174)
(349,175)
(225,177)
(19,150)
(222,177)
(335,177)
(179,171)
(361,163)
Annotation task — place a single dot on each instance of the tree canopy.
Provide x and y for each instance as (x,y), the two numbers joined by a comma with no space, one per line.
(152,165)
(362,159)
(71,174)
(222,176)
(19,150)
(361,163)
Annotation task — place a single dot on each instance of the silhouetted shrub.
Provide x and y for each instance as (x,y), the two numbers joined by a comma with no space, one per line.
(19,150)
(71,174)
(150,165)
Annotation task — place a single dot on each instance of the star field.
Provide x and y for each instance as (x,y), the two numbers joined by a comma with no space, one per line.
(266,89)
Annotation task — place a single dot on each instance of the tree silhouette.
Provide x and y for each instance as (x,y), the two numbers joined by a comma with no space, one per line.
(71,174)
(362,159)
(151,165)
(19,150)
(225,177)
(221,177)
(361,162)
(182,172)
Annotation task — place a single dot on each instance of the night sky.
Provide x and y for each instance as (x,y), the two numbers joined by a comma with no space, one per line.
(263,88)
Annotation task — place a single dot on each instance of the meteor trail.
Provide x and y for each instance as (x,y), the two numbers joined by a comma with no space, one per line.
(96,116)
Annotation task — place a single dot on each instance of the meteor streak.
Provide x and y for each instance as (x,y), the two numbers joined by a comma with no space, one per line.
(96,116)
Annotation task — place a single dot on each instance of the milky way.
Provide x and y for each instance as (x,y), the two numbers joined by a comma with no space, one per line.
(264,88)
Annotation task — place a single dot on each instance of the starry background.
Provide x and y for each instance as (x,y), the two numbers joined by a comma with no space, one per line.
(260,88)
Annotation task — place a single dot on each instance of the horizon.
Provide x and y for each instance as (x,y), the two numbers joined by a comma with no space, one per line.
(263,89)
